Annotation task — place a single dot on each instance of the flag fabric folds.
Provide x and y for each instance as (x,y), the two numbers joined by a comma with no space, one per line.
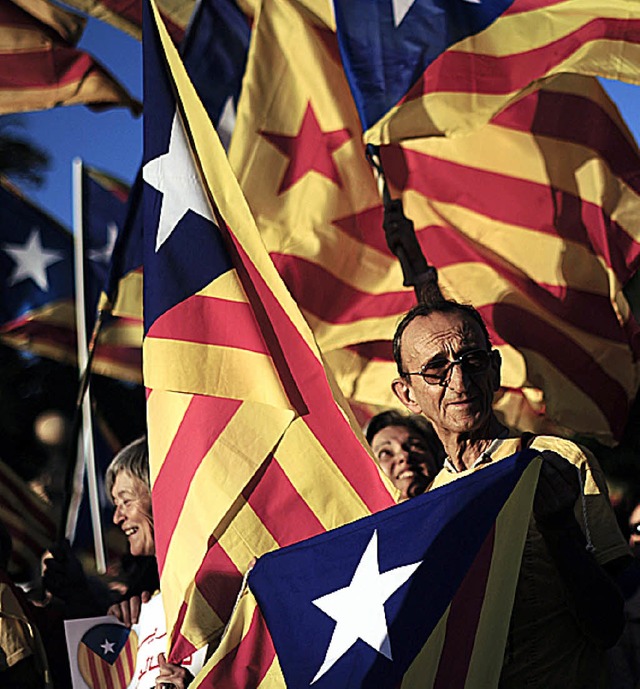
(126,15)
(421,69)
(249,450)
(40,68)
(388,601)
(534,220)
(29,521)
(318,208)
(36,280)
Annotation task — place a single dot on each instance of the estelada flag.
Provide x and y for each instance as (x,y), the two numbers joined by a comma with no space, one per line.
(251,445)
(419,595)
(424,68)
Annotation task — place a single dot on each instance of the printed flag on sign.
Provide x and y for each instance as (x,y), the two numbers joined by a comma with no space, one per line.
(423,68)
(241,415)
(40,68)
(107,656)
(36,281)
(419,595)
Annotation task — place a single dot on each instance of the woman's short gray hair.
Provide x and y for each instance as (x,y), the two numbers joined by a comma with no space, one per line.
(134,459)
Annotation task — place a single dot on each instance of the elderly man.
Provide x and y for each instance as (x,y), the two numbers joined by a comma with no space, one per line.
(567,608)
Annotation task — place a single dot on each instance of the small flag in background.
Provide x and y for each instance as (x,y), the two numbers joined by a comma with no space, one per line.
(36,280)
(40,68)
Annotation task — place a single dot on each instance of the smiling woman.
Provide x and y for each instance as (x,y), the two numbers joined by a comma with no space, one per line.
(127,484)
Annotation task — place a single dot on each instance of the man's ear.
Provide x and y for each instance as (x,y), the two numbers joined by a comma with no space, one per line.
(403,391)
(496,365)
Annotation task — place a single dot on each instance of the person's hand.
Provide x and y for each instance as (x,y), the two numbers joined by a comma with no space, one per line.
(557,492)
(171,675)
(128,610)
(62,573)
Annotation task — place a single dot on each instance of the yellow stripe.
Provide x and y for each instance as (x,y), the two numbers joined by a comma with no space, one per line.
(201,624)
(231,373)
(129,300)
(511,531)
(422,671)
(58,353)
(332,336)
(238,628)
(68,25)
(223,473)
(273,679)
(122,334)
(108,368)
(165,411)
(318,481)
(227,287)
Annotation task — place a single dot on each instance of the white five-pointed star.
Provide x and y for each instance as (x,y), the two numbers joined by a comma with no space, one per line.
(107,646)
(32,260)
(103,255)
(358,609)
(401,7)
(175,176)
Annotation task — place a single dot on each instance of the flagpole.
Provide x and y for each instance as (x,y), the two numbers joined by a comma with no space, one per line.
(85,440)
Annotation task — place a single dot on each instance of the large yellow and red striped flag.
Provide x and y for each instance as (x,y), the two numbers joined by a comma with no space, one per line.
(39,66)
(422,68)
(534,220)
(249,449)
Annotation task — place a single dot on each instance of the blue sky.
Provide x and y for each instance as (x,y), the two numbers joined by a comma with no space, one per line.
(112,140)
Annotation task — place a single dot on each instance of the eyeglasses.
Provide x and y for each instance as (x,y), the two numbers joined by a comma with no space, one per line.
(437,372)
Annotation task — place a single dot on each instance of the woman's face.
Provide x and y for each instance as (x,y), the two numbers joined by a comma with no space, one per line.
(404,457)
(132,500)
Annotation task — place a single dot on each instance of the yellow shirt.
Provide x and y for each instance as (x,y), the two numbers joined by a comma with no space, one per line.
(545,647)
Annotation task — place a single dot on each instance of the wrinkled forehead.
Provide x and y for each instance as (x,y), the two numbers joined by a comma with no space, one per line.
(126,483)
(427,336)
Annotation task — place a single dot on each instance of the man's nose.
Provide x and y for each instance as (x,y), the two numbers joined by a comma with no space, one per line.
(456,380)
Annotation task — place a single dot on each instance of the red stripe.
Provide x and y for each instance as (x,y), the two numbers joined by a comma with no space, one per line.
(366,228)
(118,666)
(515,201)
(474,73)
(180,647)
(204,420)
(525,331)
(94,669)
(317,290)
(60,336)
(212,321)
(463,619)
(58,67)
(247,664)
(552,114)
(324,418)
(593,313)
(272,497)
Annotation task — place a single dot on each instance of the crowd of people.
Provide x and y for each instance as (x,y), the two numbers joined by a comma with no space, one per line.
(576,615)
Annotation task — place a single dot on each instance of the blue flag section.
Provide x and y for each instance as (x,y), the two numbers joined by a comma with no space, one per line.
(183,249)
(214,53)
(36,261)
(386,45)
(354,607)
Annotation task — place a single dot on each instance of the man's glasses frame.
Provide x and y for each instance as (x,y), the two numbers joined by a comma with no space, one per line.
(471,362)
